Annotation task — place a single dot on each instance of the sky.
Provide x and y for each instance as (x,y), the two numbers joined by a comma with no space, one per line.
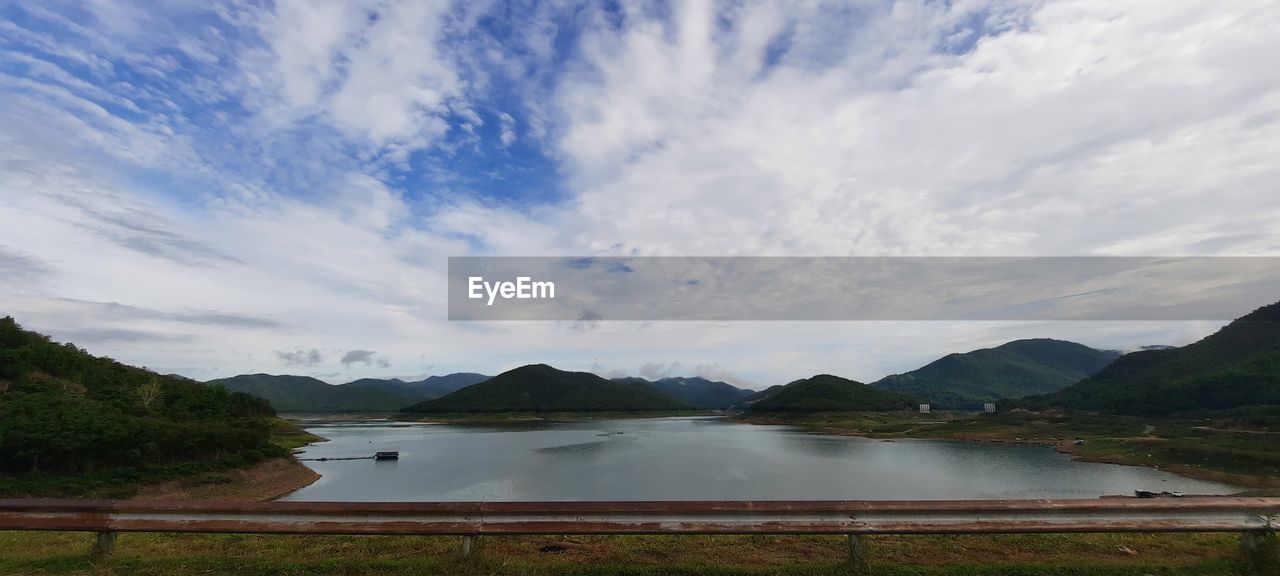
(213,188)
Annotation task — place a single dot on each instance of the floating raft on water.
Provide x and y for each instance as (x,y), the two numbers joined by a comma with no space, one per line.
(384,455)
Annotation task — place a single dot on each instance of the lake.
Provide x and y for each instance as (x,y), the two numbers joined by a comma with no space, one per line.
(701,458)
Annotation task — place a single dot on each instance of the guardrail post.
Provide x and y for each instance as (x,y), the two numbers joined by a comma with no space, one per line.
(468,542)
(1261,552)
(103,544)
(857,554)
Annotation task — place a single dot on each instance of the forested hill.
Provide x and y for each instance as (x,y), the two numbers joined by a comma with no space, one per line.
(306,394)
(1235,367)
(541,388)
(1012,370)
(695,391)
(430,387)
(827,393)
(93,421)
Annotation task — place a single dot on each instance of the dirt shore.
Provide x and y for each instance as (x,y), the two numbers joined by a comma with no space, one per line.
(266,481)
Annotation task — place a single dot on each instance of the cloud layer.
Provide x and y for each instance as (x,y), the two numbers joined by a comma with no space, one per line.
(216,188)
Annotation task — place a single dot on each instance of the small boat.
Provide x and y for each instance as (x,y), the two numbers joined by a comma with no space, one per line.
(387,455)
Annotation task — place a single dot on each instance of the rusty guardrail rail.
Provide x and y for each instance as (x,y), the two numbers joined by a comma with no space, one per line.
(1253,517)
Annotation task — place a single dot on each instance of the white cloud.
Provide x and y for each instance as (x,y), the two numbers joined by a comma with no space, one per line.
(1079,128)
(306,41)
(507,135)
(372,69)
(867,128)
(657,370)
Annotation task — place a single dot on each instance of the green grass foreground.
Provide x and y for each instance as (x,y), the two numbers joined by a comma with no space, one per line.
(31,553)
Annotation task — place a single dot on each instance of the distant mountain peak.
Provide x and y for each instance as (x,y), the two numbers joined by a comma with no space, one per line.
(306,394)
(829,393)
(1011,370)
(543,388)
(696,390)
(1268,313)
(1237,366)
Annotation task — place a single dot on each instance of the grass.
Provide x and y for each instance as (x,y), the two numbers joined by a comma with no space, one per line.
(30,553)
(1219,449)
(289,435)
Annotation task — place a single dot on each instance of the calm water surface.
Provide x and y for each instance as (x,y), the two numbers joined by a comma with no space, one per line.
(696,459)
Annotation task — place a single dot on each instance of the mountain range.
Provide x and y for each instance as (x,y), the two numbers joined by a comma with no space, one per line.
(1012,370)
(960,381)
(431,387)
(827,393)
(307,394)
(541,388)
(1237,366)
(696,391)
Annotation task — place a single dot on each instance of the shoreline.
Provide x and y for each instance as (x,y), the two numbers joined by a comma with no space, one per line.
(262,482)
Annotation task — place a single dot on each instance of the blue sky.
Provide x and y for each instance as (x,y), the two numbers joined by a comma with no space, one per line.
(222,187)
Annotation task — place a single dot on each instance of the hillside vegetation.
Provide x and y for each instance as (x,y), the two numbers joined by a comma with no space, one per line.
(306,394)
(426,389)
(1013,370)
(696,391)
(1238,366)
(541,388)
(758,396)
(827,393)
(71,422)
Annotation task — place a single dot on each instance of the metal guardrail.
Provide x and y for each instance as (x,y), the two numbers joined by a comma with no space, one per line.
(1251,516)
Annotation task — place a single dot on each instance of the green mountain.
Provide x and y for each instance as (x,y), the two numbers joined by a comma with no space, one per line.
(827,393)
(1013,370)
(696,391)
(1237,366)
(541,388)
(392,385)
(431,387)
(72,422)
(306,394)
(748,401)
(436,386)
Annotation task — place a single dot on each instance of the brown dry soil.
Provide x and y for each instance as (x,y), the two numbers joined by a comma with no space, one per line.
(266,481)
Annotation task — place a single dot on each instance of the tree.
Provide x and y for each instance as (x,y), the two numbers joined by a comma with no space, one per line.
(149,392)
(65,412)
